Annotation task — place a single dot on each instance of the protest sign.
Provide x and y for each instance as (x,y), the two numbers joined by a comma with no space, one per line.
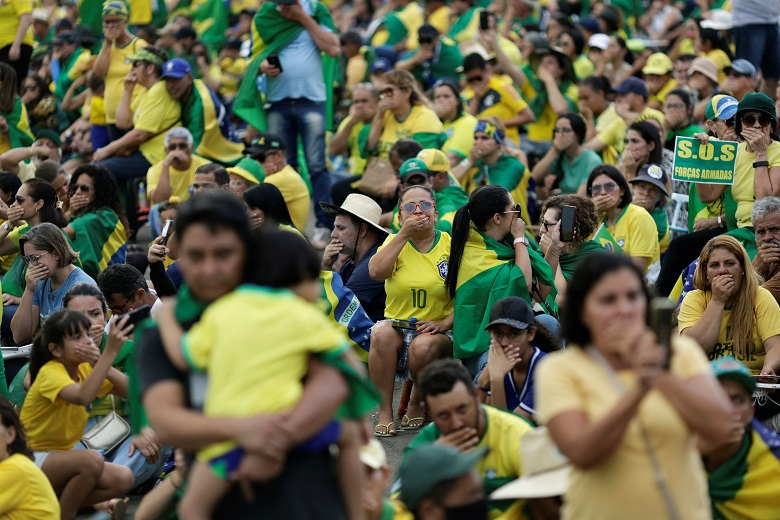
(697,162)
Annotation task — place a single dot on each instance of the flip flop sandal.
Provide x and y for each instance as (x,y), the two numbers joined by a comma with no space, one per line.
(388,430)
(120,509)
(409,420)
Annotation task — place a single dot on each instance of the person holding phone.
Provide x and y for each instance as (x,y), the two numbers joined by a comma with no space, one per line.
(622,419)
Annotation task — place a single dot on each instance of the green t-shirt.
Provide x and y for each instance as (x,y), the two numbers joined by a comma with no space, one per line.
(574,173)
(444,64)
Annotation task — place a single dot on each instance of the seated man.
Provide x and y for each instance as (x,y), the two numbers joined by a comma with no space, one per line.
(24,160)
(460,421)
(210,176)
(766,219)
(125,289)
(742,473)
(269,150)
(173,175)
(53,173)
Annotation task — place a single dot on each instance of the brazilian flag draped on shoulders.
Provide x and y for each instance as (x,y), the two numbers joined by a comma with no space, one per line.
(745,486)
(342,306)
(568,262)
(488,273)
(210,20)
(19,134)
(101,240)
(271,32)
(213,134)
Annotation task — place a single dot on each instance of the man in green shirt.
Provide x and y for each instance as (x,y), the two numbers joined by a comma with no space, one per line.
(437,58)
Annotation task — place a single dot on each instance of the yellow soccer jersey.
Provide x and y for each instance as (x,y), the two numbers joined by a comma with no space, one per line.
(421,120)
(117,70)
(295,193)
(416,287)
(51,423)
(247,377)
(460,135)
(500,100)
(636,233)
(767,324)
(180,180)
(744,175)
(25,492)
(156,113)
(357,164)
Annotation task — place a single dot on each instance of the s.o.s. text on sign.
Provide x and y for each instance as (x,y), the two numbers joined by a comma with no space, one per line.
(712,162)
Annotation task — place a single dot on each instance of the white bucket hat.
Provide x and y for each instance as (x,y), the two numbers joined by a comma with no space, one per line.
(358,206)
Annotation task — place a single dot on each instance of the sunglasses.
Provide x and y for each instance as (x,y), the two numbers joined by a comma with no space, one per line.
(728,122)
(387,92)
(80,187)
(606,188)
(475,79)
(261,157)
(750,120)
(410,207)
(32,260)
(735,74)
(177,146)
(515,209)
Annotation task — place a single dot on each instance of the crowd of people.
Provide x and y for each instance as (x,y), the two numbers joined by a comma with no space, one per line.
(231,231)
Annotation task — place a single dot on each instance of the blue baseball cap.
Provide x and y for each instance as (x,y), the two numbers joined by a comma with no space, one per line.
(381,65)
(176,68)
(743,67)
(632,85)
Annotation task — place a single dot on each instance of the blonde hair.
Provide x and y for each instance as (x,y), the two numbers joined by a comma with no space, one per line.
(403,79)
(743,316)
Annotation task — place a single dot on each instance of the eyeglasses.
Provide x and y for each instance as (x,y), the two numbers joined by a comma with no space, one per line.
(411,207)
(750,120)
(80,187)
(32,260)
(728,122)
(606,188)
(547,225)
(517,208)
(387,92)
(19,200)
(475,79)
(562,131)
(177,146)
(120,310)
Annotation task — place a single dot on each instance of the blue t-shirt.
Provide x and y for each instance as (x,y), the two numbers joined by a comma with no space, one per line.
(370,292)
(523,397)
(301,75)
(49,301)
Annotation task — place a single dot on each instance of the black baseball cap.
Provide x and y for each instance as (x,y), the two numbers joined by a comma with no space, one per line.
(512,311)
(263,142)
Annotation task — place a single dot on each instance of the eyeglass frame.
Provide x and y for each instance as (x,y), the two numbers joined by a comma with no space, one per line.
(33,260)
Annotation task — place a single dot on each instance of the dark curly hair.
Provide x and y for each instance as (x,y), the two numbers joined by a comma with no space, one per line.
(105,188)
(586,219)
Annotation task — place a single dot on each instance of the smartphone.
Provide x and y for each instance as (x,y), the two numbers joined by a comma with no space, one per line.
(484,20)
(167,231)
(138,315)
(273,60)
(567,223)
(401,324)
(661,321)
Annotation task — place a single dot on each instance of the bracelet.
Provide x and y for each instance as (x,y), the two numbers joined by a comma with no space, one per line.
(720,221)
(466,164)
(486,390)
(759,164)
(553,253)
(520,240)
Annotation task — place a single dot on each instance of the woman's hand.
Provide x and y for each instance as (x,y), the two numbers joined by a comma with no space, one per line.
(96,333)
(36,273)
(10,300)
(501,362)
(119,333)
(15,215)
(562,142)
(629,161)
(722,288)
(431,327)
(15,52)
(551,241)
(518,225)
(604,202)
(157,251)
(705,223)
(769,372)
(78,201)
(414,223)
(757,140)
(648,359)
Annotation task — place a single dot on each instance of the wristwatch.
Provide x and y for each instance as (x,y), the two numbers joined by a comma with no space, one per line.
(522,240)
(6,226)
(759,164)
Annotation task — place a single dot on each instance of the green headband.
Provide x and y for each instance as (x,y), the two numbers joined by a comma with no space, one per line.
(144,55)
(116,8)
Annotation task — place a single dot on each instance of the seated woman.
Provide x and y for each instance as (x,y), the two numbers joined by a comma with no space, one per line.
(729,314)
(567,164)
(267,207)
(625,227)
(517,345)
(458,124)
(64,385)
(25,492)
(678,122)
(643,146)
(50,273)
(648,190)
(491,258)
(564,257)
(415,292)
(97,220)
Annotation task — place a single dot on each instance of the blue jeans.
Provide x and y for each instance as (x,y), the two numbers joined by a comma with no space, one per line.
(760,45)
(293,118)
(142,469)
(130,167)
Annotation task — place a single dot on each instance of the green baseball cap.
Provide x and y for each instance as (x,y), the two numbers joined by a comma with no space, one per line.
(49,134)
(249,169)
(729,368)
(428,466)
(759,102)
(412,167)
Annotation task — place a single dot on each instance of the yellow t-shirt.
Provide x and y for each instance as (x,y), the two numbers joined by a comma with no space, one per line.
(357,164)
(744,174)
(614,133)
(571,380)
(51,423)
(10,11)
(97,110)
(140,12)
(460,135)
(295,192)
(542,128)
(180,180)
(84,62)
(25,492)
(117,70)
(765,326)
(636,233)
(416,287)
(157,112)
(232,73)
(421,119)
(440,19)
(243,379)
(500,100)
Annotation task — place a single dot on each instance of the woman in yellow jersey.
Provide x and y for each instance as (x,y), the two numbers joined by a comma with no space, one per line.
(618,414)
(729,313)
(625,227)
(458,124)
(403,112)
(25,492)
(414,263)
